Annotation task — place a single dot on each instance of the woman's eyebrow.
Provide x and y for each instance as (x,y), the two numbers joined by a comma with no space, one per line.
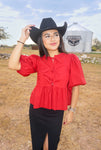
(46,34)
(49,33)
(56,32)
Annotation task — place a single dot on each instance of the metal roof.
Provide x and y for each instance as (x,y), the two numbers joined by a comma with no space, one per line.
(76,27)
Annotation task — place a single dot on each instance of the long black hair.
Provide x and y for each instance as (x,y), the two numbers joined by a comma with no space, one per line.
(43,51)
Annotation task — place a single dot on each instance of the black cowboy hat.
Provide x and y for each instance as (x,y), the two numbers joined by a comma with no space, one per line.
(46,24)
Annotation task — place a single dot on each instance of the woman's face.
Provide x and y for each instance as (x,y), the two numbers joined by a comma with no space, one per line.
(51,39)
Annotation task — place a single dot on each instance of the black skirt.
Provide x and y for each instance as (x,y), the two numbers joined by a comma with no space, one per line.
(44,121)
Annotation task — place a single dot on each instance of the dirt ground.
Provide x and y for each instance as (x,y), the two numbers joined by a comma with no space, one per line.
(84,133)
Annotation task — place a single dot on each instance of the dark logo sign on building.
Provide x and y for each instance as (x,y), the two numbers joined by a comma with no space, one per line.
(73,40)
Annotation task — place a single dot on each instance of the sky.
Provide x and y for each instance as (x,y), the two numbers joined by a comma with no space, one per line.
(16,14)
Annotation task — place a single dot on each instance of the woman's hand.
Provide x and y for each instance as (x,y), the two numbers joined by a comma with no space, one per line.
(25,33)
(68,117)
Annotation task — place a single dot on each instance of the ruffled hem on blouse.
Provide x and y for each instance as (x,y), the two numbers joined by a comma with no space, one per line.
(49,97)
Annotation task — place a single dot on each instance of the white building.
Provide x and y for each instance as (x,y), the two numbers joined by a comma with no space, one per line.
(77,39)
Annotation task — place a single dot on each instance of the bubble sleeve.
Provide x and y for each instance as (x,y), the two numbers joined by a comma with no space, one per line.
(28,65)
(76,75)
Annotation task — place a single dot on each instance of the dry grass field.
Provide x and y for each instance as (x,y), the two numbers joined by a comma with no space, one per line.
(84,133)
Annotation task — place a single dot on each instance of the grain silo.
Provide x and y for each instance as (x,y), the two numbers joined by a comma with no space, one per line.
(78,39)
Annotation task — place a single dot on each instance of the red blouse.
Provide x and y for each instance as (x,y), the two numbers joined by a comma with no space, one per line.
(55,78)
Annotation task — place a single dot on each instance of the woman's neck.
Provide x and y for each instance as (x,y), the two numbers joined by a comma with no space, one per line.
(52,53)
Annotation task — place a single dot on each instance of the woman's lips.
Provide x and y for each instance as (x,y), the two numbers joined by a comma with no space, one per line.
(53,44)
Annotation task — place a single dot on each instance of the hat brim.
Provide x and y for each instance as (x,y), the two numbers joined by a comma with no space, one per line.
(35,32)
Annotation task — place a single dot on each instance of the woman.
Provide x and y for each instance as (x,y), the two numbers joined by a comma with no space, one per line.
(58,80)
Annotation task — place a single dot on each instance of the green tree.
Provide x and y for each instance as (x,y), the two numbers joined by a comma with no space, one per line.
(3,34)
(96,45)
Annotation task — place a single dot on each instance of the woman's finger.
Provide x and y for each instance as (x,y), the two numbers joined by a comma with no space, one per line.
(28,26)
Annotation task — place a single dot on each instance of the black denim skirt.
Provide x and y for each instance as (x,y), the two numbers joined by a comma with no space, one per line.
(43,121)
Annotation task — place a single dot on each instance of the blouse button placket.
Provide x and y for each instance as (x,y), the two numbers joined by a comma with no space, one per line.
(52,83)
(52,59)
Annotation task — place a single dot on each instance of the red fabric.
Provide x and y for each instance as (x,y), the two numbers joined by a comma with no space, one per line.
(55,78)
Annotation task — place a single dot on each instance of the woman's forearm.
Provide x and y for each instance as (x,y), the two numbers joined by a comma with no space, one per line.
(68,118)
(14,62)
(75,95)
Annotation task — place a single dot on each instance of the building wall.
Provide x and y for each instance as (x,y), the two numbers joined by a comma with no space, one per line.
(78,41)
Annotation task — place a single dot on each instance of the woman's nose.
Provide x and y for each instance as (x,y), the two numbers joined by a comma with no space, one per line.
(52,38)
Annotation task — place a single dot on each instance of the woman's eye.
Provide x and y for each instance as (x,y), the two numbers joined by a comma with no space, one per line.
(47,36)
(56,34)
